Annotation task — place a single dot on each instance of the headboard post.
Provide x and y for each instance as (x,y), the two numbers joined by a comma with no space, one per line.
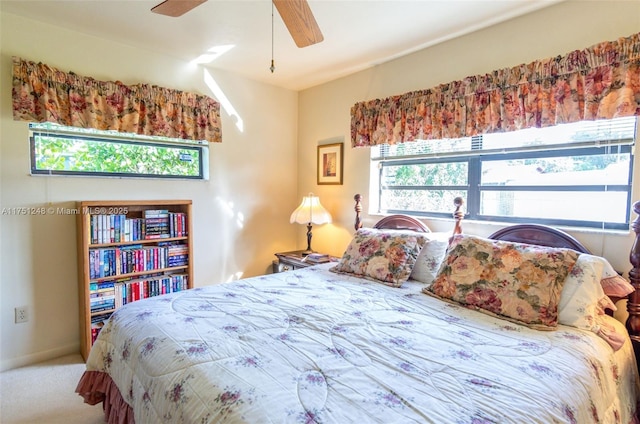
(358,209)
(633,302)
(458,214)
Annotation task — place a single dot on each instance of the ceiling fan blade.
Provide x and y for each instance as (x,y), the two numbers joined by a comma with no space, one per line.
(176,8)
(298,18)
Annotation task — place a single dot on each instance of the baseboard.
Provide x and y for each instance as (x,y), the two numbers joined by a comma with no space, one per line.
(34,358)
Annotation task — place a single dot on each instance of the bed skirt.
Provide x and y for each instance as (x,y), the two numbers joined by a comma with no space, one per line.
(96,387)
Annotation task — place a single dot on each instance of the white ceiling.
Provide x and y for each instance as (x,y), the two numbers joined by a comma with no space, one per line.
(357,33)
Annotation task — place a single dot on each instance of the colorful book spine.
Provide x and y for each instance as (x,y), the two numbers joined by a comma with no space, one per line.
(155,224)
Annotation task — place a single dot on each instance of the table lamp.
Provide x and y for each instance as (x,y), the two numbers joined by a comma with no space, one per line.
(310,212)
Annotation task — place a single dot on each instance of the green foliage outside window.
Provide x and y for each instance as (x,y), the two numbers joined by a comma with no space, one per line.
(65,153)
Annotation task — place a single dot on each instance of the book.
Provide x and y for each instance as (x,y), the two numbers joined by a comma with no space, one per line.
(100,319)
(156,213)
(102,286)
(181,260)
(102,296)
(317,258)
(105,307)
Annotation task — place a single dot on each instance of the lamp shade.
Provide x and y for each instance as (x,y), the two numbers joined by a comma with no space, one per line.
(310,211)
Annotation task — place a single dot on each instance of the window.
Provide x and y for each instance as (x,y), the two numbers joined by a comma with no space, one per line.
(575,174)
(59,150)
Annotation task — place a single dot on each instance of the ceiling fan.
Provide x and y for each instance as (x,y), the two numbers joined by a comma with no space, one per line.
(296,14)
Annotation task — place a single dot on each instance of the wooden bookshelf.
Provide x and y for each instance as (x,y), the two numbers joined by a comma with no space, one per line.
(127,251)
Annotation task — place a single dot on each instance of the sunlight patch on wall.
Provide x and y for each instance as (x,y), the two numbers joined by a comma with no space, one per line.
(233,277)
(222,98)
(240,220)
(229,210)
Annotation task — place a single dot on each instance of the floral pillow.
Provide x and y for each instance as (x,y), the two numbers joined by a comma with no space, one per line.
(386,256)
(516,281)
(430,258)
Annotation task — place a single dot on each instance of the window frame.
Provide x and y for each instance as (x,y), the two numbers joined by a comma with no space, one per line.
(472,192)
(119,138)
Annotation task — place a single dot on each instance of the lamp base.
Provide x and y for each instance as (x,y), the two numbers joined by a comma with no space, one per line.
(309,236)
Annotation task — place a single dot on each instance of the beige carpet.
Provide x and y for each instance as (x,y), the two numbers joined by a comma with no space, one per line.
(45,393)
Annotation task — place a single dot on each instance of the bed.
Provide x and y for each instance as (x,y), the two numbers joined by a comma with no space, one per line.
(364,342)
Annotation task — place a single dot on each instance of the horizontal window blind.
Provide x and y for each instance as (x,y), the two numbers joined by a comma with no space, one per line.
(620,131)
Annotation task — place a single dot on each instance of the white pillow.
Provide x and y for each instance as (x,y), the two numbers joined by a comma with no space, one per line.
(583,298)
(428,262)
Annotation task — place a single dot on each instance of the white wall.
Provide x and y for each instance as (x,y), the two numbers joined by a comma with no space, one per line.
(324,110)
(240,215)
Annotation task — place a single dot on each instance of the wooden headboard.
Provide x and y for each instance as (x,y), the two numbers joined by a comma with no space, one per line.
(541,235)
(395,222)
(544,236)
(401,222)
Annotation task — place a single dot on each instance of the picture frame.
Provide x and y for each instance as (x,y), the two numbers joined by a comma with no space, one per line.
(330,163)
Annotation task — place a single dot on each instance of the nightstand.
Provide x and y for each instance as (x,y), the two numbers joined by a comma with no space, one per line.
(288,261)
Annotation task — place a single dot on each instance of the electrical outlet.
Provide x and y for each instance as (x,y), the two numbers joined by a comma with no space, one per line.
(22,314)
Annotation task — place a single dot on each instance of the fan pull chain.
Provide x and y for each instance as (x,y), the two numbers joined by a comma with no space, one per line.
(273,67)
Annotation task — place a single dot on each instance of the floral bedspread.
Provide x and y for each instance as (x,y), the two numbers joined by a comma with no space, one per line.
(311,346)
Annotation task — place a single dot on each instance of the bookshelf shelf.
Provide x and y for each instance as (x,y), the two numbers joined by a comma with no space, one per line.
(125,243)
(139,273)
(127,251)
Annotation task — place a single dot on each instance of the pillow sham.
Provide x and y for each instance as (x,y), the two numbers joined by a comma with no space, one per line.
(613,284)
(430,258)
(582,297)
(516,281)
(387,256)
(583,300)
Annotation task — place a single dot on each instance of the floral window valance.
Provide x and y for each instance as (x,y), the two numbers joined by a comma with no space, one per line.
(44,94)
(601,82)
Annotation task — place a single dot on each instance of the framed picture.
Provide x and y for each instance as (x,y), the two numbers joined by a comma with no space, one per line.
(330,163)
